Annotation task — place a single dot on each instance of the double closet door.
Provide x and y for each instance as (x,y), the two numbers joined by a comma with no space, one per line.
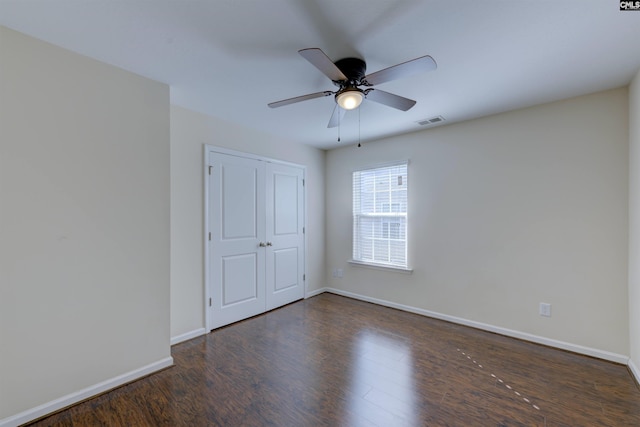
(256,246)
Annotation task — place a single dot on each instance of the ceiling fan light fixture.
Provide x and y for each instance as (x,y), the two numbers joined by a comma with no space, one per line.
(350,99)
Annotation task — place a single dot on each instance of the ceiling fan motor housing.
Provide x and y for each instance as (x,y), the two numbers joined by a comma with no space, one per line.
(353,68)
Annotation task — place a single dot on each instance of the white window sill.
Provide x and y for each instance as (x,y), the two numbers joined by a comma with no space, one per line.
(381,266)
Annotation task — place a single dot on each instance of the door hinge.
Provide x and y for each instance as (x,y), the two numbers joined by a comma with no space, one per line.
(210,169)
(303,230)
(304,277)
(303,182)
(209,302)
(209,235)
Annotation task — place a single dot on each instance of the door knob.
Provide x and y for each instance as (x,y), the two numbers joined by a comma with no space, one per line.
(262,244)
(269,244)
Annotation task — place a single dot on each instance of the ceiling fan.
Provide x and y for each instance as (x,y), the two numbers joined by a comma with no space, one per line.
(349,75)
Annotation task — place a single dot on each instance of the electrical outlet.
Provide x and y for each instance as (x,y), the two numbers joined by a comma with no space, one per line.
(339,273)
(545,309)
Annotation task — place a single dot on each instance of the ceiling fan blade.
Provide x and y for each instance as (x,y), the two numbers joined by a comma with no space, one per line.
(322,62)
(299,99)
(336,117)
(390,100)
(406,69)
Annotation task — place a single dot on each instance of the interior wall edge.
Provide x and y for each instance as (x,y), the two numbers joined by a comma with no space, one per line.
(188,335)
(86,393)
(315,292)
(561,345)
(634,370)
(633,278)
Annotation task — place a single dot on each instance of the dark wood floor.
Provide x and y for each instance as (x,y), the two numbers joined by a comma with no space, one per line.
(333,361)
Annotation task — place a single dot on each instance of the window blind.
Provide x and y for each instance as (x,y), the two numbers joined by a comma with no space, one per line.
(380,215)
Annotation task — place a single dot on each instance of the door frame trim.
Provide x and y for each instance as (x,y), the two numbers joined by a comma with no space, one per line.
(207,150)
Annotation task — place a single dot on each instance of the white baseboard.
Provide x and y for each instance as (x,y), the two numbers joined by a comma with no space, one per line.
(600,354)
(79,396)
(316,292)
(188,335)
(634,370)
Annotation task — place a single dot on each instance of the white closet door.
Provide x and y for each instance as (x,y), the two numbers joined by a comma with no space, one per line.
(237,225)
(284,234)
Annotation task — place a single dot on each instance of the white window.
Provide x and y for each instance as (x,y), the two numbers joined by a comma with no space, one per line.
(380,216)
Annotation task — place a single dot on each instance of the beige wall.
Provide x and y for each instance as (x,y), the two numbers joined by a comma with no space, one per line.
(189,132)
(84,223)
(506,212)
(634,224)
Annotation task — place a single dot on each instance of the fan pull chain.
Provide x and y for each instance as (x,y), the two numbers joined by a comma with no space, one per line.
(338,125)
(359,145)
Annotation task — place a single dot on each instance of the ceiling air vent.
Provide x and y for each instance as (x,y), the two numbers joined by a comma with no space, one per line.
(432,121)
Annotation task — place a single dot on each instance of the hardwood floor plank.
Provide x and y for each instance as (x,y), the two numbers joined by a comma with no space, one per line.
(334,361)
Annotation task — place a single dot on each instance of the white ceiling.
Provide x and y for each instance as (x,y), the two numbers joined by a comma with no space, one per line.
(229,58)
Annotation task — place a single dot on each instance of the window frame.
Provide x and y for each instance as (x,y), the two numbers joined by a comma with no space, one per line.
(389,217)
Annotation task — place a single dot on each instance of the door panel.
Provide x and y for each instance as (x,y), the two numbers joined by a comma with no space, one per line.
(237,211)
(239,279)
(285,219)
(285,204)
(286,268)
